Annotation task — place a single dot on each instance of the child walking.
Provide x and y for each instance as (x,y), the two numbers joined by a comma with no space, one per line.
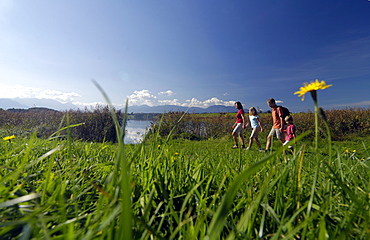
(256,126)
(238,125)
(290,131)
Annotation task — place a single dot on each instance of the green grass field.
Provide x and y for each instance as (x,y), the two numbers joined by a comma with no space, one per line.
(180,189)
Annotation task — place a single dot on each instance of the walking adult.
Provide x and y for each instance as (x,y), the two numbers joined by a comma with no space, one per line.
(277,123)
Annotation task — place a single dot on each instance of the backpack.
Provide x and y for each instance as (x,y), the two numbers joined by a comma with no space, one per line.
(285,111)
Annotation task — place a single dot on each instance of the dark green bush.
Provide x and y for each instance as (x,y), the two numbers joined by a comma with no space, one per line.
(96,124)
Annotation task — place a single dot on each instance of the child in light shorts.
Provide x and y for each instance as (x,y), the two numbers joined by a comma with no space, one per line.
(256,125)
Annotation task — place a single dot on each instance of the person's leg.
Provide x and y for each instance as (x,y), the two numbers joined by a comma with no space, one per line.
(258,142)
(269,138)
(242,139)
(237,131)
(250,142)
(251,137)
(280,136)
(254,134)
(235,137)
(268,143)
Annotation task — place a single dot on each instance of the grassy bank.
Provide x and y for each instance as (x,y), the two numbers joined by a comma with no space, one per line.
(97,125)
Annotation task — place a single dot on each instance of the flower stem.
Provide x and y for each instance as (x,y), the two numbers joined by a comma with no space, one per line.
(316,127)
(325,120)
(314,97)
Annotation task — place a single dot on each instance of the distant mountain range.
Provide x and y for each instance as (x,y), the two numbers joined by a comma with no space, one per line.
(26,103)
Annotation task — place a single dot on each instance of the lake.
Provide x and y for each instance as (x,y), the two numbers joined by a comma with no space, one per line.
(135,131)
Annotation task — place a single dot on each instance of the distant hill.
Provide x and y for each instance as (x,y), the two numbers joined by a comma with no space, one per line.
(22,110)
(174,108)
(24,103)
(6,103)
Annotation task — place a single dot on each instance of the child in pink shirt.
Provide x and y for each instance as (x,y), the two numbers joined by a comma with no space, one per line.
(290,131)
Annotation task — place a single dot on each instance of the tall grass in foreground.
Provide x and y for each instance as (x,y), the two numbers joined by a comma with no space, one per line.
(182,190)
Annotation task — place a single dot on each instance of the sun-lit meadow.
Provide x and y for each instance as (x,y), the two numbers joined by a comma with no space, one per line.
(171,187)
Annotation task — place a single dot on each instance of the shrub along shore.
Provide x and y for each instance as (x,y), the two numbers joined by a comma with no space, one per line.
(97,124)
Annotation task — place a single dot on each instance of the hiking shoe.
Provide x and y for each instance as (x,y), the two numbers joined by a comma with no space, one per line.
(234,147)
(246,148)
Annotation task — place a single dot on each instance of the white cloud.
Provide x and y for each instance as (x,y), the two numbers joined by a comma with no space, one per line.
(207,103)
(167,93)
(143,97)
(19,91)
(170,102)
(57,95)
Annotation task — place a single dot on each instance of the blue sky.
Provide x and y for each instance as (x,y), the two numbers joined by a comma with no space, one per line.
(192,52)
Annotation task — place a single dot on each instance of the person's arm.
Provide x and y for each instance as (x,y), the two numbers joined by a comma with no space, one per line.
(243,118)
(282,123)
(260,124)
(284,130)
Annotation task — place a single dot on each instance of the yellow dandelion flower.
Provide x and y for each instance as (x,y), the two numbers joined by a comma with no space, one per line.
(309,87)
(347,151)
(176,153)
(8,137)
(354,151)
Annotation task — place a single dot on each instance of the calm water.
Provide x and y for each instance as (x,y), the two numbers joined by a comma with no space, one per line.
(135,131)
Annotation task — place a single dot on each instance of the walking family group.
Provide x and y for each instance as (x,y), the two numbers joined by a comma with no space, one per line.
(283,127)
